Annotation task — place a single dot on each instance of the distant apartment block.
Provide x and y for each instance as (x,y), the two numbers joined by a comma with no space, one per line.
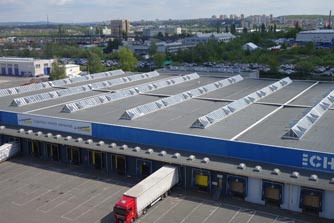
(118,27)
(24,66)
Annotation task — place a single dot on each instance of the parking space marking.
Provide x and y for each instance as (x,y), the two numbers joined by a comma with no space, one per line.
(234,216)
(280,219)
(96,205)
(211,213)
(190,213)
(168,210)
(252,216)
(24,203)
(59,197)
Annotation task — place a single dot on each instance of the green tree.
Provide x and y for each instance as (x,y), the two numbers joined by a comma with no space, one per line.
(127,60)
(233,29)
(57,71)
(159,59)
(263,28)
(94,63)
(305,67)
(112,45)
(245,30)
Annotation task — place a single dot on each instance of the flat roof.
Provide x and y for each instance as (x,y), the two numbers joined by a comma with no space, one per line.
(283,108)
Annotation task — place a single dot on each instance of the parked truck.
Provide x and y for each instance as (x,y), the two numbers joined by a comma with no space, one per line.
(145,194)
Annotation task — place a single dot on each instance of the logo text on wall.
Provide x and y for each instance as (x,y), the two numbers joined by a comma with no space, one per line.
(319,162)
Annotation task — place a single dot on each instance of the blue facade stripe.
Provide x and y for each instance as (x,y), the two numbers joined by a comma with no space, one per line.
(197,144)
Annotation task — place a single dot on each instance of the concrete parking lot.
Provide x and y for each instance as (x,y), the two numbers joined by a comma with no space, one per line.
(33,191)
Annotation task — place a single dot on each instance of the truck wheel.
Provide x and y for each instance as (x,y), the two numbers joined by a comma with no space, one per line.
(132,220)
(144,211)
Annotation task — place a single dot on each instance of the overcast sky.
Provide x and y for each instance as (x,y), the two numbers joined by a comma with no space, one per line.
(102,10)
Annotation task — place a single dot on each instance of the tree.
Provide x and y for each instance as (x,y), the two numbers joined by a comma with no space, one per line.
(159,59)
(57,71)
(245,30)
(112,45)
(263,28)
(305,67)
(233,29)
(94,63)
(127,60)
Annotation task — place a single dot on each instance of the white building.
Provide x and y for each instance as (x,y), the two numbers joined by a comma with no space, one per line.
(205,37)
(250,47)
(72,70)
(14,66)
(316,36)
(153,32)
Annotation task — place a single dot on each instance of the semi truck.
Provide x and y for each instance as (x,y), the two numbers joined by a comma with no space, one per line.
(145,194)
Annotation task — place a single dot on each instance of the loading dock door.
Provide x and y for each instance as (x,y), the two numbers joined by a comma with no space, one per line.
(95,159)
(237,186)
(74,155)
(35,149)
(144,168)
(53,151)
(201,179)
(311,200)
(120,164)
(272,192)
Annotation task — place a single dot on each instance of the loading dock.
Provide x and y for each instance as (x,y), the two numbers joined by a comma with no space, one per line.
(96,159)
(237,186)
(311,200)
(143,168)
(35,149)
(73,154)
(201,180)
(53,151)
(120,164)
(272,193)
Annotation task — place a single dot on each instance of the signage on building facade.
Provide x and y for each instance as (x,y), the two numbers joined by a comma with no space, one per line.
(62,125)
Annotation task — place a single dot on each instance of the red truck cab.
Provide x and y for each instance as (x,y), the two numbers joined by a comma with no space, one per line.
(125,210)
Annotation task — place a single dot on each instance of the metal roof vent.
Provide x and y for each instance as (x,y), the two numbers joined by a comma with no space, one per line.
(149,151)
(295,174)
(39,133)
(58,136)
(2,127)
(68,138)
(191,158)
(89,141)
(49,135)
(29,132)
(101,143)
(113,145)
(242,166)
(313,177)
(257,169)
(332,181)
(276,171)
(205,160)
(79,140)
(124,147)
(21,131)
(136,149)
(176,155)
(163,153)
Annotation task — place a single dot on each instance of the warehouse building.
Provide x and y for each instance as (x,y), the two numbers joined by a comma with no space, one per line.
(261,140)
(316,36)
(27,67)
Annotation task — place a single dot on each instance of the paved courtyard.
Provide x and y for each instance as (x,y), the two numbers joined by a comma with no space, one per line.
(33,191)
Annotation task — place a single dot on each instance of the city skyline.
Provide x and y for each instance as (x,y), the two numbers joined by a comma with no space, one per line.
(102,10)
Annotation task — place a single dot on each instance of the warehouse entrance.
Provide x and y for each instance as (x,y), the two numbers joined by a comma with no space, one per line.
(53,151)
(120,164)
(311,200)
(35,149)
(73,154)
(144,168)
(272,193)
(237,186)
(201,180)
(95,159)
